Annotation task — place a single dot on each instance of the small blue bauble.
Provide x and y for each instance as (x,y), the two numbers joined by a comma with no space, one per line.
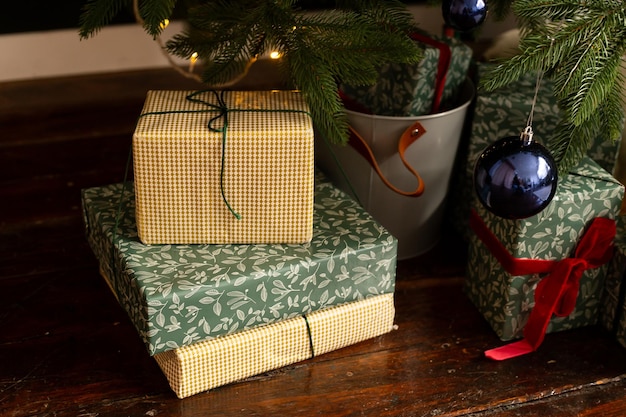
(514,178)
(464,15)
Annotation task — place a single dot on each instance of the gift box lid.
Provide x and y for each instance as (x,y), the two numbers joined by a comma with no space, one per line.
(180,294)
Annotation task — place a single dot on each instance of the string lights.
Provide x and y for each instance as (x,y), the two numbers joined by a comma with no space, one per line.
(189,72)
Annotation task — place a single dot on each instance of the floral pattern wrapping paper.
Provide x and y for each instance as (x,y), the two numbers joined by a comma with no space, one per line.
(177,295)
(505,300)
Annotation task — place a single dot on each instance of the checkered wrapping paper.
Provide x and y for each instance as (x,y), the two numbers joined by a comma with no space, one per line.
(267,173)
(210,364)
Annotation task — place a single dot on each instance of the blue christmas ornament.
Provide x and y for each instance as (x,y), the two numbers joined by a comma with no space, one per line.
(464,15)
(515,177)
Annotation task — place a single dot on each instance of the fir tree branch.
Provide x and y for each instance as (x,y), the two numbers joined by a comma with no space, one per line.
(579,44)
(154,12)
(320,49)
(98,13)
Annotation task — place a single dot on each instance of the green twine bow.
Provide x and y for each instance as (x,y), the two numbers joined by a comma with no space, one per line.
(222,114)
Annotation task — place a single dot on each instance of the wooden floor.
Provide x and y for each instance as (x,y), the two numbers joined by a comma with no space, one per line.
(68,349)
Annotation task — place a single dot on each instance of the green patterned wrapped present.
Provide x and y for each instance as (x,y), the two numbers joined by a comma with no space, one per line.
(506,300)
(504,113)
(409,89)
(613,316)
(177,295)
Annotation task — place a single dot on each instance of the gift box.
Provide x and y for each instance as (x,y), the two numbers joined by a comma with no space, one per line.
(177,295)
(613,315)
(209,364)
(503,113)
(413,89)
(224,167)
(558,237)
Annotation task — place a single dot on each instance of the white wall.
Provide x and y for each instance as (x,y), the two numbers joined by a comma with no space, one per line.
(124,47)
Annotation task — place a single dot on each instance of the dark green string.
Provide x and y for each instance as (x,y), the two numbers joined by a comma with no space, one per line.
(222,114)
(308,330)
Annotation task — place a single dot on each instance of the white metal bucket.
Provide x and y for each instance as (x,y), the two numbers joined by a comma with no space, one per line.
(415,221)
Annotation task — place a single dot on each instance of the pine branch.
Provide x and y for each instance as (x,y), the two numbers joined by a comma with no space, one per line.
(154,12)
(345,44)
(569,143)
(320,91)
(98,13)
(342,45)
(579,44)
(597,82)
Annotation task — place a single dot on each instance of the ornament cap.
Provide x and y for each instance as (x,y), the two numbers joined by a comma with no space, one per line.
(527,136)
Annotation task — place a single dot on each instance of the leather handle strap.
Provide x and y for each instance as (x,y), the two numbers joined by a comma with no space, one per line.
(410,135)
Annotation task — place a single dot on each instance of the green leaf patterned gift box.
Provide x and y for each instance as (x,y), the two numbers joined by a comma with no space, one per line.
(506,300)
(409,89)
(504,113)
(177,295)
(613,316)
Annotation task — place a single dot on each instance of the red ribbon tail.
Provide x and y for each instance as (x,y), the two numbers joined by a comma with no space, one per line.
(512,350)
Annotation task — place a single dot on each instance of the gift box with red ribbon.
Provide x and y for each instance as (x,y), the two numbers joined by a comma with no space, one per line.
(545,273)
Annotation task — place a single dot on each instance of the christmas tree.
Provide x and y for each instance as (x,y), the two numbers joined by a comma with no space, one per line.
(577,43)
(580,45)
(345,43)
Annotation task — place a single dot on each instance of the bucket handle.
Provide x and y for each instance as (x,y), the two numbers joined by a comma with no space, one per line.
(410,135)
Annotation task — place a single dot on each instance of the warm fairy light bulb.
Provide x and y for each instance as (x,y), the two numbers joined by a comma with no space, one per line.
(275,54)
(192,61)
(164,24)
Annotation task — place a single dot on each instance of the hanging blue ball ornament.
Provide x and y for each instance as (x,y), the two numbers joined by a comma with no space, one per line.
(515,177)
(464,15)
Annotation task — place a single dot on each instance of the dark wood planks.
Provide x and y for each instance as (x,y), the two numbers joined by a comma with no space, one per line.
(67,348)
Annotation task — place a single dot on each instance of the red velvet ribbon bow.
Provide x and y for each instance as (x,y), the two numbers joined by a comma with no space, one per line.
(556,293)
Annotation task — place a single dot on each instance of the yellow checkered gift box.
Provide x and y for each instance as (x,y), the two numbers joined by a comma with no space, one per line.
(227,167)
(209,364)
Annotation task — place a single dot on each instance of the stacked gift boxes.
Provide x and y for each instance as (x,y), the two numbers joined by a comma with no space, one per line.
(506,299)
(213,313)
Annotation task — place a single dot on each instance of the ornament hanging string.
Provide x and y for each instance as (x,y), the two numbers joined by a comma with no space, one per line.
(529,121)
(516,177)
(527,134)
